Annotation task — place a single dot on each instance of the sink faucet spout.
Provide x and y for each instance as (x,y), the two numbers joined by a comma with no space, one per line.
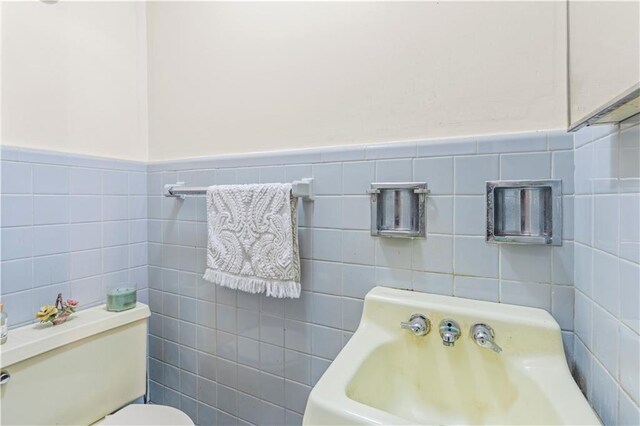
(449,332)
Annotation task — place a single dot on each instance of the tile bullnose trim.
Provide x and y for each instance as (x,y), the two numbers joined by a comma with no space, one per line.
(531,141)
(419,148)
(58,158)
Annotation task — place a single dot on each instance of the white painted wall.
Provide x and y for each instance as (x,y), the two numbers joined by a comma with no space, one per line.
(604,59)
(74,77)
(243,77)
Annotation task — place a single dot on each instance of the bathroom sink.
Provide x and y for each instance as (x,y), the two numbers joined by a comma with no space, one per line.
(389,375)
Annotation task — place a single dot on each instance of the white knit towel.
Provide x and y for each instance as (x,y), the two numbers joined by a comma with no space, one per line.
(253,239)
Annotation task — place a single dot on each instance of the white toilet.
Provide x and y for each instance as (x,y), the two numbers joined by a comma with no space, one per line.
(150,414)
(81,372)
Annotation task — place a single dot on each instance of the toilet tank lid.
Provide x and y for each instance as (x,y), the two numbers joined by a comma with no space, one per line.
(150,414)
(35,339)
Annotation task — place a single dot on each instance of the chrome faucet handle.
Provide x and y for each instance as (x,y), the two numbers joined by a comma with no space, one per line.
(449,332)
(418,324)
(484,336)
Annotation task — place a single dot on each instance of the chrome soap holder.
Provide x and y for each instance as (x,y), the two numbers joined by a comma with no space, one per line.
(398,209)
(524,212)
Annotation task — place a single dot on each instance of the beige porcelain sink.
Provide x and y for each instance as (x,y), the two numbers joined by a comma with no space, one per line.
(388,375)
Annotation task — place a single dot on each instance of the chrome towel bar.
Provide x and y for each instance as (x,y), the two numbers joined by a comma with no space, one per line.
(300,188)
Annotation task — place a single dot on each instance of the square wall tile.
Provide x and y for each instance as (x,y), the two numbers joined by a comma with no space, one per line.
(327,310)
(559,140)
(358,176)
(473,256)
(17,275)
(563,169)
(535,295)
(393,253)
(568,219)
(628,411)
(605,339)
(356,212)
(226,176)
(85,209)
(394,171)
(115,258)
(20,307)
(393,277)
(583,268)
(351,313)
(17,210)
(272,174)
(606,220)
(49,270)
(327,277)
(50,179)
(470,215)
(439,215)
(357,247)
(583,320)
(583,213)
(563,264)
(50,209)
(582,362)
(137,183)
(115,182)
(50,239)
(629,151)
(115,207)
(16,242)
(472,172)
(437,172)
(562,303)
(629,373)
(433,254)
(630,291)
(605,165)
(327,178)
(327,244)
(16,178)
(525,166)
(357,280)
(433,283)
(583,166)
(325,342)
(606,282)
(297,172)
(327,212)
(477,288)
(630,227)
(85,236)
(604,396)
(528,263)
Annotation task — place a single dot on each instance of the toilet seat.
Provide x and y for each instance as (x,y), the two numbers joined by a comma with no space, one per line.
(149,414)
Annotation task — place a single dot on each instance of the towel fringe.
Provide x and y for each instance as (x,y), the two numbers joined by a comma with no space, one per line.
(273,288)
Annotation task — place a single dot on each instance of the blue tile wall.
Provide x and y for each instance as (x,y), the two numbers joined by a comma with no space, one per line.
(607,269)
(253,359)
(75,224)
(66,227)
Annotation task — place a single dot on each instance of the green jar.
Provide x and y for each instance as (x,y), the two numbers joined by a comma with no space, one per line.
(121,297)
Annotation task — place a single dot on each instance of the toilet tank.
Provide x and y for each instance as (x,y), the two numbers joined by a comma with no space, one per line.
(77,372)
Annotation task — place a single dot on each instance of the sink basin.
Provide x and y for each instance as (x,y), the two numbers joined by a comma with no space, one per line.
(387,375)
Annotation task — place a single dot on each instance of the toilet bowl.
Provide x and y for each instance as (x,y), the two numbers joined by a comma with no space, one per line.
(87,371)
(149,414)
